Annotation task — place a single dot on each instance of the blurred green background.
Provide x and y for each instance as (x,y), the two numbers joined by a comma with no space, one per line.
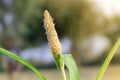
(84,31)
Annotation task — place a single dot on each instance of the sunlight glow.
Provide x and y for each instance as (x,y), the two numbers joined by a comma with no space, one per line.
(109,7)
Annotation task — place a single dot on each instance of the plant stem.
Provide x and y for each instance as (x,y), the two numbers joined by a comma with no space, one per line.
(63,73)
(108,59)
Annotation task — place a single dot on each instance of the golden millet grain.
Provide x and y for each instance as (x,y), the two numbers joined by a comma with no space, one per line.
(52,34)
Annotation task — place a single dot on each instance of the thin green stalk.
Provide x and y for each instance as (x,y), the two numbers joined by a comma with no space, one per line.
(17,58)
(63,73)
(108,59)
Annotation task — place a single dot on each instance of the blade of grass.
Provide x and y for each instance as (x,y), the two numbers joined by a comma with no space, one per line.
(63,73)
(71,65)
(108,59)
(17,58)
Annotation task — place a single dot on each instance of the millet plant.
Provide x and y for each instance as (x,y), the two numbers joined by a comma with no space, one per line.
(60,59)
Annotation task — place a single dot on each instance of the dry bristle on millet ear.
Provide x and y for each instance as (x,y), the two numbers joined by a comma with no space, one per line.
(52,34)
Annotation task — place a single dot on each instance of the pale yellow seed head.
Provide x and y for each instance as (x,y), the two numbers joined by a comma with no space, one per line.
(52,34)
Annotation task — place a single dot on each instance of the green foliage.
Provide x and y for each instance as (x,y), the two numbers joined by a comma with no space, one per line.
(71,65)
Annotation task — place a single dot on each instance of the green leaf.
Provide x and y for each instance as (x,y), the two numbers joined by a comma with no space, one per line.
(108,59)
(21,60)
(71,65)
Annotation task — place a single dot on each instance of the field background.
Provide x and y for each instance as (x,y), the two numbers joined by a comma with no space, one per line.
(86,73)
